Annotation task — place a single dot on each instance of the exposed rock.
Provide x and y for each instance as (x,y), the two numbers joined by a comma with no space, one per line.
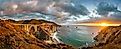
(108,38)
(16,37)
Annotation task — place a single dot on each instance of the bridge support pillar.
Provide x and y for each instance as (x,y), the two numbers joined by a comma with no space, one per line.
(35,28)
(26,28)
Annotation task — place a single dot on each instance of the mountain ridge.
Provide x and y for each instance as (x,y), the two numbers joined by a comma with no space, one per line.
(108,38)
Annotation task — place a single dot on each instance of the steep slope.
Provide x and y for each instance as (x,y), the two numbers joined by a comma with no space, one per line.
(108,38)
(14,37)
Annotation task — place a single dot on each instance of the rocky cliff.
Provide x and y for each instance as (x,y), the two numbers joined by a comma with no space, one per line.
(108,38)
(28,34)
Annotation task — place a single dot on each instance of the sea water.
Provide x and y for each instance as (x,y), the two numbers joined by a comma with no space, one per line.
(77,35)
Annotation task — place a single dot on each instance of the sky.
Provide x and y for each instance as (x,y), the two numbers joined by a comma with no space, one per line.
(96,2)
(61,11)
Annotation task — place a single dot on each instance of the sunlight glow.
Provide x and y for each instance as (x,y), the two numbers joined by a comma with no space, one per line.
(107,24)
(95,24)
(104,24)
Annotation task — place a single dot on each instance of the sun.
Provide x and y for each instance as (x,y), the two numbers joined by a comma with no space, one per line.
(104,24)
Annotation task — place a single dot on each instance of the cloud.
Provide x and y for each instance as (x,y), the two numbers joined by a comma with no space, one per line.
(104,8)
(116,16)
(57,8)
(76,9)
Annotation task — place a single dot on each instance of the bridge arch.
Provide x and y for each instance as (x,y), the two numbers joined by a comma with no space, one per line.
(34,27)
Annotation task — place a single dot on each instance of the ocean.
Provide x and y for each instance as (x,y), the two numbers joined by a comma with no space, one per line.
(77,35)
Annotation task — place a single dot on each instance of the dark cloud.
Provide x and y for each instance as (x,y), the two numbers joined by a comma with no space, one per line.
(76,10)
(61,9)
(104,8)
(49,7)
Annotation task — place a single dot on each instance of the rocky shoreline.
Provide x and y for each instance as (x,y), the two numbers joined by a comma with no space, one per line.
(22,35)
(107,38)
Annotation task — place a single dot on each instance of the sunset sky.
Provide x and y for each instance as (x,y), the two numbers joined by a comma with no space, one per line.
(92,15)
(61,11)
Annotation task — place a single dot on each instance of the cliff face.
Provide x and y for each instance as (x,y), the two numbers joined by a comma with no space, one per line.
(22,35)
(108,38)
